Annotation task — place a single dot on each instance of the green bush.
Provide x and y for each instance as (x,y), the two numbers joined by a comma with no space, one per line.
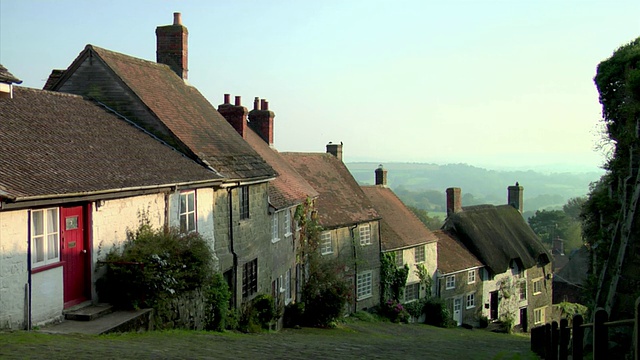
(325,294)
(483,321)
(258,314)
(416,308)
(436,313)
(217,296)
(294,314)
(394,311)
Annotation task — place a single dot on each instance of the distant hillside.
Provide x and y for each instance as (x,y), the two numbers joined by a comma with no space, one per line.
(424,185)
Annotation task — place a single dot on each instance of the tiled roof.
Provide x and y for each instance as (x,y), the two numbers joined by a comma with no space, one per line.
(497,235)
(289,188)
(399,227)
(56,144)
(453,255)
(341,201)
(7,77)
(187,115)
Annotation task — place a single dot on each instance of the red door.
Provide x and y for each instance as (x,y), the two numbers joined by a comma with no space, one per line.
(74,254)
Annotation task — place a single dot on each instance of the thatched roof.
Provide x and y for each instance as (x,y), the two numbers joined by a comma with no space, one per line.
(497,235)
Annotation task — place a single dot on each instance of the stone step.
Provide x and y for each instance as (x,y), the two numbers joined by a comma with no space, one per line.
(88,312)
(118,321)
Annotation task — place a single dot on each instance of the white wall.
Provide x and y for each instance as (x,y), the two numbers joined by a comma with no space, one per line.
(47,297)
(204,212)
(509,285)
(13,268)
(430,263)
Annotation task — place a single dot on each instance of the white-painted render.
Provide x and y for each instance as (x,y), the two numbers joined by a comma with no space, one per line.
(14,274)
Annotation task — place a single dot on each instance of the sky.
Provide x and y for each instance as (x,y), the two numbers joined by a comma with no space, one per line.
(496,84)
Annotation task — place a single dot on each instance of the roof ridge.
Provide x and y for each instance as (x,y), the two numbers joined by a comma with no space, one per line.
(125,56)
(48,92)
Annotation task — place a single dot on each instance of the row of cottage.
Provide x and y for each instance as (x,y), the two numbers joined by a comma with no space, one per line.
(113,139)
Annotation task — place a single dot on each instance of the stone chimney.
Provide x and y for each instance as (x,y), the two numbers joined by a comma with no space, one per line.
(514,197)
(335,150)
(236,114)
(558,246)
(454,200)
(171,46)
(261,120)
(381,176)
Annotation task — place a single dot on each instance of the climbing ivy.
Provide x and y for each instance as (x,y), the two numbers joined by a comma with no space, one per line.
(393,279)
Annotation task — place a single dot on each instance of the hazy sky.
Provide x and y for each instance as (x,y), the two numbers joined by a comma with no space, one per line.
(488,83)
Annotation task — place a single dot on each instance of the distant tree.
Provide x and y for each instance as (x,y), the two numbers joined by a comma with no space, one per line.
(432,223)
(554,224)
(573,207)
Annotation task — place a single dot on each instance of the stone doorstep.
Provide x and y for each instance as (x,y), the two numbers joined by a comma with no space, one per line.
(87,312)
(118,321)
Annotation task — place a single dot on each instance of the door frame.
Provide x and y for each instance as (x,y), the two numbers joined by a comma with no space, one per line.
(457,317)
(85,213)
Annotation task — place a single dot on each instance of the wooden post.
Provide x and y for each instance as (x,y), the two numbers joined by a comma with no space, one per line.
(636,331)
(563,352)
(600,334)
(548,341)
(554,341)
(577,341)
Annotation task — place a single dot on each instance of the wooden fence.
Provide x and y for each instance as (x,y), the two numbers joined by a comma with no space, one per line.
(561,341)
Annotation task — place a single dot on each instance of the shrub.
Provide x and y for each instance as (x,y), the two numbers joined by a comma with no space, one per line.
(436,313)
(294,314)
(416,308)
(483,321)
(325,293)
(258,314)
(394,311)
(217,296)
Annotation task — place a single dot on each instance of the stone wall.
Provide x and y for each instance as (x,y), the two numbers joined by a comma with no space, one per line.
(14,274)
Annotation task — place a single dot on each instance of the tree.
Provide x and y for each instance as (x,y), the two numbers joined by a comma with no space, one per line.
(432,223)
(609,213)
(549,224)
(573,207)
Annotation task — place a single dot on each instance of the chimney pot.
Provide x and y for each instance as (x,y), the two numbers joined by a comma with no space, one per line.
(172,46)
(335,150)
(226,98)
(177,18)
(454,201)
(256,103)
(515,196)
(238,101)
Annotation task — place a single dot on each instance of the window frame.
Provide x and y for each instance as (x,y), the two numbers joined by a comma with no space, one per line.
(186,212)
(287,287)
(537,286)
(364,234)
(326,248)
(450,284)
(399,258)
(46,234)
(523,290)
(470,300)
(538,315)
(250,278)
(364,285)
(415,290)
(287,223)
(275,230)
(243,202)
(471,276)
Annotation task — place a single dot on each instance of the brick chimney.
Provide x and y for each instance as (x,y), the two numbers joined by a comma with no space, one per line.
(335,150)
(236,114)
(514,197)
(381,176)
(172,48)
(454,200)
(261,120)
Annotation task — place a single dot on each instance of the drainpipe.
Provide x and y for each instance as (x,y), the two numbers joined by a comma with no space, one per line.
(28,287)
(234,270)
(355,267)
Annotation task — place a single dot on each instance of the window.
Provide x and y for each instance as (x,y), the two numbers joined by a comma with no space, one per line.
(523,290)
(274,228)
(364,288)
(538,316)
(399,258)
(45,244)
(250,278)
(451,282)
(537,286)
(287,287)
(412,292)
(326,243)
(471,277)
(471,300)
(365,234)
(243,195)
(420,254)
(187,212)
(287,223)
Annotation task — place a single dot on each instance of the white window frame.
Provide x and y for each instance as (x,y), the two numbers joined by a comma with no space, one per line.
(183,213)
(523,290)
(450,282)
(326,243)
(415,290)
(471,276)
(287,287)
(49,237)
(275,233)
(364,233)
(537,286)
(471,300)
(399,258)
(539,315)
(287,223)
(419,254)
(364,288)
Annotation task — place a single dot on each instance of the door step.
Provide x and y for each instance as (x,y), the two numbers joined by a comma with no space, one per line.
(84,312)
(117,321)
